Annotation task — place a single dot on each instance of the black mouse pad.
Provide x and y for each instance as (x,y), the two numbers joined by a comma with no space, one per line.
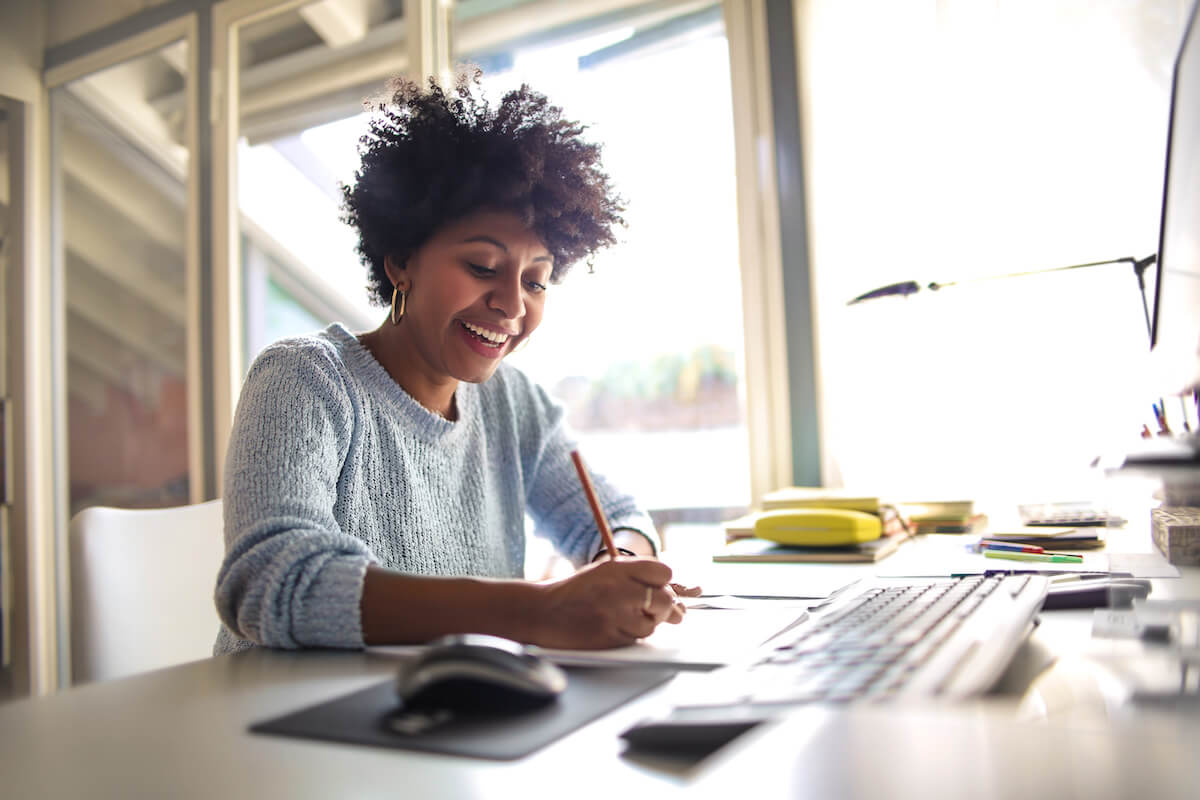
(369,716)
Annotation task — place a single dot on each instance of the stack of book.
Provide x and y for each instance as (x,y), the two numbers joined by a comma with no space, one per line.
(819,497)
(943,516)
(815,497)
(742,546)
(894,522)
(1050,539)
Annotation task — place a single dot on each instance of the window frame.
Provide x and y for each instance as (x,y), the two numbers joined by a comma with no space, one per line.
(53,629)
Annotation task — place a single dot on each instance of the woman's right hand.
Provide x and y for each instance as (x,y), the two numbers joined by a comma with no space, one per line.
(608,604)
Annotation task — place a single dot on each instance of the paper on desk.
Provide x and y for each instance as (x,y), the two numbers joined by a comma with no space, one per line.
(707,638)
(805,581)
(1142,565)
(733,602)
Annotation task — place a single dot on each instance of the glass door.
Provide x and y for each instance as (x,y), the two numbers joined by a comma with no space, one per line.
(120,190)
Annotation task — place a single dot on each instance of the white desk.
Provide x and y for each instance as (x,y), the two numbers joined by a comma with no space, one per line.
(182,732)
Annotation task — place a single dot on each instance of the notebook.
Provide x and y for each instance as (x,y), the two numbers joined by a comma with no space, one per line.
(1050,538)
(760,550)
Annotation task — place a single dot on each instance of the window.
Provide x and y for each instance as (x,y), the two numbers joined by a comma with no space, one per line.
(304,74)
(646,352)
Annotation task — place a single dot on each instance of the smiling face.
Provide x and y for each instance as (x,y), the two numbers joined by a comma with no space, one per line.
(476,289)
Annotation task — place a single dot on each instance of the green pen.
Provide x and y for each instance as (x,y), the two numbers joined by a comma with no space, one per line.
(1049,557)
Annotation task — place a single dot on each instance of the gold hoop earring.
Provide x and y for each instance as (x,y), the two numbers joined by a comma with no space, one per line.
(398,315)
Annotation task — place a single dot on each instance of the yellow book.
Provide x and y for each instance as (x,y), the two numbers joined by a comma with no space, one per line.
(937,510)
(820,497)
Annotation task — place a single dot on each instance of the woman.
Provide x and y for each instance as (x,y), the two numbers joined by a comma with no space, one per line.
(377,485)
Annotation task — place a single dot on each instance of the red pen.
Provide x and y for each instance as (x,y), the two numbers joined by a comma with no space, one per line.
(1011,548)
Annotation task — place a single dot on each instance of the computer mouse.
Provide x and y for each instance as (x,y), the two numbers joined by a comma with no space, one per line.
(477,673)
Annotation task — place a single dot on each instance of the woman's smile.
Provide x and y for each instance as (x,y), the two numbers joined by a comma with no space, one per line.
(487,342)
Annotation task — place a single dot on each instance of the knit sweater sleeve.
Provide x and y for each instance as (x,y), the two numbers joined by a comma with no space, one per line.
(291,578)
(555,496)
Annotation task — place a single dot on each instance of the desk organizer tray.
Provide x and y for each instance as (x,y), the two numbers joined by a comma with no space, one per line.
(369,716)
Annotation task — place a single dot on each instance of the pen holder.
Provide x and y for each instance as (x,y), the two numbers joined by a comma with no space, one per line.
(1176,531)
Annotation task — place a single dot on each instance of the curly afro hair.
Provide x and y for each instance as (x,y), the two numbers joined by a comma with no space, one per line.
(432,156)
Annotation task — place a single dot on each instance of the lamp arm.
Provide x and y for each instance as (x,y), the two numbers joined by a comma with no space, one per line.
(1138,265)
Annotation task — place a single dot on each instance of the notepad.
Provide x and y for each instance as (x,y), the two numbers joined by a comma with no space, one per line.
(943,555)
(1051,538)
(1038,532)
(705,639)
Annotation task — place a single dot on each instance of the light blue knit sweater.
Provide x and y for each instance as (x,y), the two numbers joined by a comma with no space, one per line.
(333,466)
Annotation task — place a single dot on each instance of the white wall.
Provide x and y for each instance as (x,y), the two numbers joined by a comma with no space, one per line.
(70,19)
(22,41)
(951,139)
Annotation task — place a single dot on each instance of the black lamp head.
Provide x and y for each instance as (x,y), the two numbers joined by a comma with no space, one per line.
(902,289)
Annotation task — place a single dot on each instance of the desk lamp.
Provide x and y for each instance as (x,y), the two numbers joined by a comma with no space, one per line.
(905,288)
(1140,265)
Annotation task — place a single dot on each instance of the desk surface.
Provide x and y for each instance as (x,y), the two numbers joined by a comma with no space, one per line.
(182,732)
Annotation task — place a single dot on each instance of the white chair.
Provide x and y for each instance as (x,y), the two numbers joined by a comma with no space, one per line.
(142,585)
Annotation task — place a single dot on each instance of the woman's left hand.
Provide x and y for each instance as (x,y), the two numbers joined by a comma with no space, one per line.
(638,544)
(685,591)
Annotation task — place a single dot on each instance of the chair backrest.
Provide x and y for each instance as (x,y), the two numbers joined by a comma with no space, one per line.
(142,585)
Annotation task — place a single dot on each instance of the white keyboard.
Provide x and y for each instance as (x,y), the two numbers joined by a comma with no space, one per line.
(944,639)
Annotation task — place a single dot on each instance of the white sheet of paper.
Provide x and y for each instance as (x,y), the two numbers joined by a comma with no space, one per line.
(706,638)
(804,581)
(1142,565)
(736,602)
